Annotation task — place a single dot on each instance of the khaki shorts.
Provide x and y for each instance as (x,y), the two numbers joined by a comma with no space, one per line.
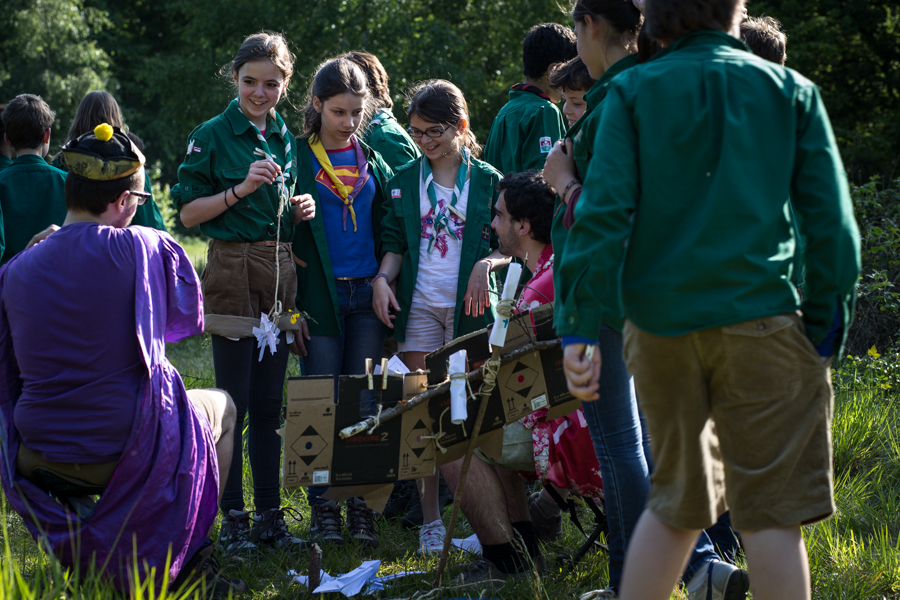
(427,329)
(210,403)
(739,418)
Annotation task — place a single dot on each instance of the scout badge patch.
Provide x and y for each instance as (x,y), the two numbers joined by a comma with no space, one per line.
(546,145)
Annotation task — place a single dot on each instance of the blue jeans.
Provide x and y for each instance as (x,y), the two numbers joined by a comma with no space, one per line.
(622,446)
(362,337)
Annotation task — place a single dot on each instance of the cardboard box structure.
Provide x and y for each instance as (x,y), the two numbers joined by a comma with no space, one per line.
(314,453)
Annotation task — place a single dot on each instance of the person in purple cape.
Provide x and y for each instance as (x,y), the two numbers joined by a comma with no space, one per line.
(89,404)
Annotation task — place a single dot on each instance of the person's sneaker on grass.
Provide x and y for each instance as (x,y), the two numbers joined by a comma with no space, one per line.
(719,581)
(269,529)
(361,522)
(486,572)
(546,517)
(326,525)
(431,538)
(202,571)
(607,594)
(234,534)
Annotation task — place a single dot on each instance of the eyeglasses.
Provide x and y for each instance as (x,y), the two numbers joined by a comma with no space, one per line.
(432,132)
(142,197)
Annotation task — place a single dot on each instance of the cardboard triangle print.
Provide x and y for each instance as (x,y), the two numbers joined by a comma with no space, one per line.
(309,445)
(522,379)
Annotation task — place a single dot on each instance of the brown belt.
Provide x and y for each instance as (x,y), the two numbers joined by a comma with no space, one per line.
(285,245)
(351,278)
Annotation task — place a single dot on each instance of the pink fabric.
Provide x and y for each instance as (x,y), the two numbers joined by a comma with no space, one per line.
(563,450)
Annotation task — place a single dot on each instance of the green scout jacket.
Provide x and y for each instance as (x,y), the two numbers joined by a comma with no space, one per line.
(523,132)
(147,214)
(5,161)
(385,136)
(316,292)
(219,155)
(32,197)
(582,133)
(403,229)
(695,159)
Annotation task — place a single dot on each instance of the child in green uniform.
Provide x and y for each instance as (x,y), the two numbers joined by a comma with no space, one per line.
(530,123)
(572,80)
(7,152)
(341,250)
(685,213)
(438,245)
(383,134)
(100,107)
(236,184)
(32,193)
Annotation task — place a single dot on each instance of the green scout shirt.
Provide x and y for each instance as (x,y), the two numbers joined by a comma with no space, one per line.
(403,229)
(523,133)
(146,214)
(219,155)
(385,136)
(32,197)
(582,133)
(696,156)
(5,161)
(316,292)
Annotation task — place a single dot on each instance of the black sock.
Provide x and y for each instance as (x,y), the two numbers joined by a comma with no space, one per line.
(504,556)
(529,536)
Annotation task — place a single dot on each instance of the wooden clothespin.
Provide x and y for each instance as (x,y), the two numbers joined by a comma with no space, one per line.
(370,373)
(384,373)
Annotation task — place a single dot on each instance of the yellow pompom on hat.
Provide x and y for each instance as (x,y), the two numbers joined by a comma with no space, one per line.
(103,154)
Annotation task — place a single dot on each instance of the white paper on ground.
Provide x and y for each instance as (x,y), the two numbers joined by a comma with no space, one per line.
(498,333)
(458,395)
(395,366)
(350,584)
(470,544)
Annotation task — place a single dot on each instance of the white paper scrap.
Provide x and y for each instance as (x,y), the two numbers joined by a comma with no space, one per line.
(458,395)
(361,578)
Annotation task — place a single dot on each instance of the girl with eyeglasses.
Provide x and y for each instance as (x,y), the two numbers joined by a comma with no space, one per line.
(438,244)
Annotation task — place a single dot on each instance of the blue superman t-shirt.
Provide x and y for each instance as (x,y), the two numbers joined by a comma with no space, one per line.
(352,252)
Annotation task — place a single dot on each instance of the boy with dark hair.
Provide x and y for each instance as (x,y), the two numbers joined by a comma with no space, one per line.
(699,246)
(7,153)
(765,38)
(32,193)
(527,127)
(573,80)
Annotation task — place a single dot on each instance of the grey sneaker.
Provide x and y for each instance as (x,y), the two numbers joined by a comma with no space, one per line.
(546,517)
(361,522)
(607,594)
(270,529)
(327,525)
(486,572)
(234,535)
(202,570)
(719,581)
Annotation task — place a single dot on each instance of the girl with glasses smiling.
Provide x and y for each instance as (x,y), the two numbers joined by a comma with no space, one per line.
(438,245)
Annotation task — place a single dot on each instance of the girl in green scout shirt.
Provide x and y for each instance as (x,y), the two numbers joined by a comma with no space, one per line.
(383,133)
(340,250)
(236,183)
(439,245)
(100,107)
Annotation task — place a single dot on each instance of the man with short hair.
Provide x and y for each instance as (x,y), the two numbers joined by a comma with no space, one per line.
(32,193)
(89,403)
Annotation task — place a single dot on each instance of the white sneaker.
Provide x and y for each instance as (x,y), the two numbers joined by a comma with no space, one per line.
(607,594)
(719,581)
(431,538)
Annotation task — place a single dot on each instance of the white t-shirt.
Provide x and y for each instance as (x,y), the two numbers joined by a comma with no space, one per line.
(438,274)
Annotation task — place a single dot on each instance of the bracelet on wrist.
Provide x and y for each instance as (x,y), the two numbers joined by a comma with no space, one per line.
(225,198)
(386,278)
(568,187)
(234,193)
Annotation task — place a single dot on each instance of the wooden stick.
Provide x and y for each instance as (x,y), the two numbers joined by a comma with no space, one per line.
(425,396)
(460,485)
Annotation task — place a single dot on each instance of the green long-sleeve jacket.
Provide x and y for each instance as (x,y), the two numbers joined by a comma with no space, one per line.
(32,197)
(686,203)
(316,292)
(523,132)
(385,136)
(582,133)
(403,229)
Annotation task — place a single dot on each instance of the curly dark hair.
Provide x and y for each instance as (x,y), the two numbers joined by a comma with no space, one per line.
(765,38)
(544,46)
(529,197)
(573,76)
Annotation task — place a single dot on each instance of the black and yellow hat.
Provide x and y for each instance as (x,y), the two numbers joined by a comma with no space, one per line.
(103,154)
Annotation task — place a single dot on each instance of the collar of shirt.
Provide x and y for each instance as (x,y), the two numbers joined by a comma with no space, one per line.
(239,122)
(30,159)
(707,38)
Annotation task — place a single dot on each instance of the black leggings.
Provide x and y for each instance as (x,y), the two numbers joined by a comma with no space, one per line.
(256,387)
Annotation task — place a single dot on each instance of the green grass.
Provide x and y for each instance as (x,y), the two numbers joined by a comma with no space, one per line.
(854,555)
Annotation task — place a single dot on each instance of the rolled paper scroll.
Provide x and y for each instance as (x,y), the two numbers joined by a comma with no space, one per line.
(458,396)
(504,310)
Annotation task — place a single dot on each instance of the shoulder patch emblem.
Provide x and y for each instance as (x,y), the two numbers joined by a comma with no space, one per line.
(486,233)
(193,148)
(546,145)
(395,193)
